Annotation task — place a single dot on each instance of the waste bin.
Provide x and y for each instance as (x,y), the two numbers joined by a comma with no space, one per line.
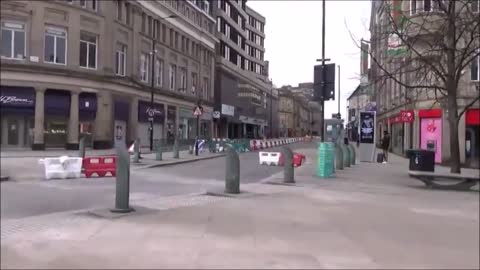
(421,160)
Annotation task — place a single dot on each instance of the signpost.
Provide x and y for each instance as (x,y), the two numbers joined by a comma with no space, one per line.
(197,111)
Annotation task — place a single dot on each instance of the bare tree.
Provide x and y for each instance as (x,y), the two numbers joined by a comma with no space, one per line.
(427,55)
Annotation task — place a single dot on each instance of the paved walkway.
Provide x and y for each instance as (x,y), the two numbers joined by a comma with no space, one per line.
(368,216)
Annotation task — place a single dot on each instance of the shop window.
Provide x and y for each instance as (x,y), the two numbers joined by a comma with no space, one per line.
(475,69)
(55,50)
(13,40)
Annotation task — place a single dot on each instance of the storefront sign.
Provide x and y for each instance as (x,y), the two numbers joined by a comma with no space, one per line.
(17,96)
(145,111)
(15,101)
(87,106)
(403,117)
(472,117)
(251,120)
(367,127)
(122,111)
(57,102)
(228,110)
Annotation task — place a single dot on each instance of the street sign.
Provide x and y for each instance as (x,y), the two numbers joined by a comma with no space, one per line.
(319,93)
(216,114)
(198,111)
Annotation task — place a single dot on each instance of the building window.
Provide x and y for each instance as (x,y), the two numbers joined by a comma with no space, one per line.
(205,88)
(183,80)
(239,61)
(227,52)
(55,50)
(172,75)
(475,5)
(427,5)
(164,33)
(13,40)
(413,7)
(475,69)
(83,3)
(227,9)
(194,83)
(239,41)
(246,65)
(94,5)
(144,22)
(176,40)
(206,7)
(127,13)
(219,26)
(88,51)
(227,30)
(120,59)
(159,72)
(119,10)
(144,64)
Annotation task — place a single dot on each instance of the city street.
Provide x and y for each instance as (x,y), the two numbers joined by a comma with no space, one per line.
(39,197)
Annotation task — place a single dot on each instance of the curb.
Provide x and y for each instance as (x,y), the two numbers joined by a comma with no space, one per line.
(176,162)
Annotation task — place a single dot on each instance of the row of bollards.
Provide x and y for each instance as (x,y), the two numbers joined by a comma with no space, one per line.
(232,173)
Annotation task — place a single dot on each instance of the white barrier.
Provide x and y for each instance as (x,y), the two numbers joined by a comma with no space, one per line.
(62,167)
(269,158)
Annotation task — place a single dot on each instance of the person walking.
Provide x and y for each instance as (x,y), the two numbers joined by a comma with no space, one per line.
(385,145)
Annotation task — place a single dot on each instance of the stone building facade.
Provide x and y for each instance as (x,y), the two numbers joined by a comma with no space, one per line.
(84,68)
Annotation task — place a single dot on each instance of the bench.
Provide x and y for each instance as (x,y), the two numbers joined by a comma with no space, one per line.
(451,181)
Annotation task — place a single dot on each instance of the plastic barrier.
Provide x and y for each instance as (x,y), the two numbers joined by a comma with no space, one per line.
(99,165)
(269,158)
(298,159)
(62,167)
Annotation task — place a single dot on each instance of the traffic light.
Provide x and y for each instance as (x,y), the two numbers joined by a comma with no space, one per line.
(327,93)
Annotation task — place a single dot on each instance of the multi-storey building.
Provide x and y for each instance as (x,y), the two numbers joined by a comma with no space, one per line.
(84,68)
(242,86)
(414,117)
(296,111)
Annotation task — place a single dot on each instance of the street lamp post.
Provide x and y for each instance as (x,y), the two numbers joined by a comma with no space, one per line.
(152,80)
(322,102)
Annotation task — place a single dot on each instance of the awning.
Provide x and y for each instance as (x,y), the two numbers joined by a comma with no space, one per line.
(145,112)
(57,102)
(17,100)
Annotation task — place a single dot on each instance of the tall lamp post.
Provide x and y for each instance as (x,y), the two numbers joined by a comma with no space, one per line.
(152,80)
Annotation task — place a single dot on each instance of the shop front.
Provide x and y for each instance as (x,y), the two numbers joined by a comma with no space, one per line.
(472,138)
(431,131)
(171,123)
(87,113)
(57,113)
(398,126)
(187,123)
(121,114)
(17,109)
(145,114)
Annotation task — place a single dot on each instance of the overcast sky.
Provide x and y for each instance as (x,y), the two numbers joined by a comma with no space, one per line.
(294,40)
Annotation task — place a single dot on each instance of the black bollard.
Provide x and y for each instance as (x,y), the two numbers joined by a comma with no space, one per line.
(288,171)
(122,174)
(176,153)
(353,157)
(81,148)
(232,171)
(339,157)
(159,153)
(136,151)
